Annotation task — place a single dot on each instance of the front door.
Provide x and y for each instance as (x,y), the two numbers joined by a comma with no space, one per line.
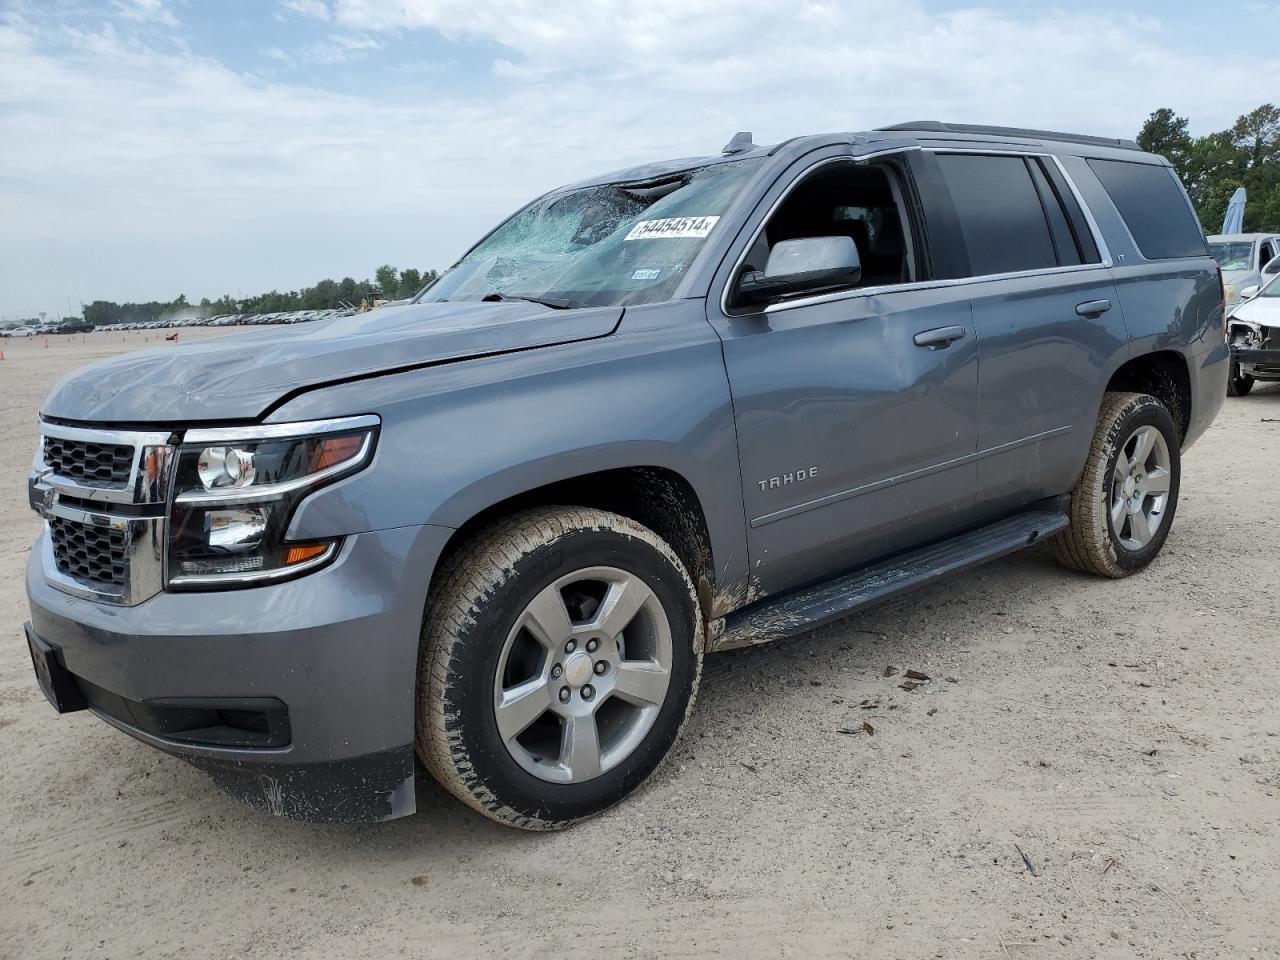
(856,410)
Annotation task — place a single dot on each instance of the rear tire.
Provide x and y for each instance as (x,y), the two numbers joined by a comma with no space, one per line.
(1239,384)
(1124,502)
(560,657)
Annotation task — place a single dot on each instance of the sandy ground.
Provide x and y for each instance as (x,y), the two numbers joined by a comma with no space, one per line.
(1123,735)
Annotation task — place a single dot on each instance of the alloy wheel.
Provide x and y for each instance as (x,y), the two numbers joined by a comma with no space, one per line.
(583,674)
(1140,488)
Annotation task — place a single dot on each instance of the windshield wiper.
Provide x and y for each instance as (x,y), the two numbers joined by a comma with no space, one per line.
(555,303)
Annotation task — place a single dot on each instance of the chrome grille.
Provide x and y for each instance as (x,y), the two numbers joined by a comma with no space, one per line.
(93,464)
(91,554)
(102,493)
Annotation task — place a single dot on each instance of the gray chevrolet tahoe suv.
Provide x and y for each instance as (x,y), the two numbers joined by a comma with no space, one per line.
(668,411)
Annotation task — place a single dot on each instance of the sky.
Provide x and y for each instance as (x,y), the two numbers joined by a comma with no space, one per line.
(151,148)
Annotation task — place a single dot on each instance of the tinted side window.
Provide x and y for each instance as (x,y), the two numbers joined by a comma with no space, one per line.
(1003,223)
(1152,204)
(1085,245)
(1064,244)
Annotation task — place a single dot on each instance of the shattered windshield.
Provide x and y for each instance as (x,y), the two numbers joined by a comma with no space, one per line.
(1233,256)
(608,245)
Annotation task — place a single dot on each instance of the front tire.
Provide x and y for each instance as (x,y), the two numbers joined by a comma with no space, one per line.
(1124,502)
(1239,384)
(560,657)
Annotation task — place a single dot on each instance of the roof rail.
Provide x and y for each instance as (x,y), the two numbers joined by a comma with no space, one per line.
(934,126)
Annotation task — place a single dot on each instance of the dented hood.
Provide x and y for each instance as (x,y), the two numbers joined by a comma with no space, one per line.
(241,375)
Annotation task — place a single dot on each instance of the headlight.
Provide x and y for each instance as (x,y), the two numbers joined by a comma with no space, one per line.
(236,489)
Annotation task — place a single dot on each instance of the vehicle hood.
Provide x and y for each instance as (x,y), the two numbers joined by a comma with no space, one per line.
(1235,276)
(239,376)
(1263,310)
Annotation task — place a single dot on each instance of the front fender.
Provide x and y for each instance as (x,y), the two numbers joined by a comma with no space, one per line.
(458,439)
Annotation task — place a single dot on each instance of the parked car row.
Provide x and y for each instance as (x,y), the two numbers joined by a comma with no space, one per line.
(233,320)
(44,329)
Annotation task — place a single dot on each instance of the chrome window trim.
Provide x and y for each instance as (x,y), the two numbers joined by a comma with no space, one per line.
(1104,252)
(1099,240)
(279,431)
(270,491)
(886,152)
(928,285)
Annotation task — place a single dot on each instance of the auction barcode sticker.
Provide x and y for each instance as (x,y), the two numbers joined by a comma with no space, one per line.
(674,228)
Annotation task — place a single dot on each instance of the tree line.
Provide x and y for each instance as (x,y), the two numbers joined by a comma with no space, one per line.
(1245,155)
(388,283)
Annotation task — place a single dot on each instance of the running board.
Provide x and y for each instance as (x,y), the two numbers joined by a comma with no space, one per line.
(814,606)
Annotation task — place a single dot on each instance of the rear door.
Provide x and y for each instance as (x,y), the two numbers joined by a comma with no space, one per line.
(856,430)
(1047,317)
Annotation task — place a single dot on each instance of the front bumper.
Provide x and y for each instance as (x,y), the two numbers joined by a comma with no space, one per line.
(1257,362)
(336,650)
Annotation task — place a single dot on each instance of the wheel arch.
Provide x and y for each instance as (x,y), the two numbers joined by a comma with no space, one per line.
(656,496)
(1163,374)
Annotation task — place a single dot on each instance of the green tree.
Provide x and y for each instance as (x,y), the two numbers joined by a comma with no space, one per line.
(390,283)
(1215,165)
(1165,133)
(388,280)
(1257,133)
(410,282)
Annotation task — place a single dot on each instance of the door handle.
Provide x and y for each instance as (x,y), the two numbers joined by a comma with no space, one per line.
(941,338)
(1093,308)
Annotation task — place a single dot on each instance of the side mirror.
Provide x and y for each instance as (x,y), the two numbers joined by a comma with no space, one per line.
(1248,293)
(801,266)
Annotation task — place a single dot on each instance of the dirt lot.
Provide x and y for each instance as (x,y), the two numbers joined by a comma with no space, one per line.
(1125,736)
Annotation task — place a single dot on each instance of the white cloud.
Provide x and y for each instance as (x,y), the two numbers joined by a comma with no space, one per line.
(146,11)
(152,170)
(307,8)
(339,48)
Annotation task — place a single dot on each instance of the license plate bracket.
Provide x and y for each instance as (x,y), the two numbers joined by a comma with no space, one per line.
(56,682)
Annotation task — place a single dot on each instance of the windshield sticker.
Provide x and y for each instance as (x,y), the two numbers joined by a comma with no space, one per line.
(647,273)
(674,228)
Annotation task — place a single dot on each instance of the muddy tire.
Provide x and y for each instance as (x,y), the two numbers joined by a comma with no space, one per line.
(560,657)
(1124,502)
(1239,384)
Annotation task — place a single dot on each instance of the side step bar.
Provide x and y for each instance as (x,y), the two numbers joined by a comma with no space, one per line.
(814,606)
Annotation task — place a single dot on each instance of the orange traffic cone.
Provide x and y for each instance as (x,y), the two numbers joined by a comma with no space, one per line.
(46,343)
(1,354)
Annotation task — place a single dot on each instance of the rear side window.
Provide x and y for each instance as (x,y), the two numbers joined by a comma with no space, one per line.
(1060,203)
(1153,205)
(1003,222)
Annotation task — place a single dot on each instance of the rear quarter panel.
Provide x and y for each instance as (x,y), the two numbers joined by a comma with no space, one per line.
(1173,305)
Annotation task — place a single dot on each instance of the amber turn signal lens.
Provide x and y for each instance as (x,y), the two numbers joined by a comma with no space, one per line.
(329,453)
(298,554)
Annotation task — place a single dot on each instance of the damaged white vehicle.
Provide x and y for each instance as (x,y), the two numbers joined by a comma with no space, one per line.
(1253,331)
